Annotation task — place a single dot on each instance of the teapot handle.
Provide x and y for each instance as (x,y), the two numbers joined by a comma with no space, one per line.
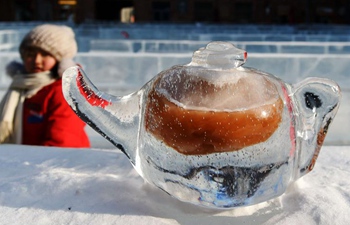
(317,101)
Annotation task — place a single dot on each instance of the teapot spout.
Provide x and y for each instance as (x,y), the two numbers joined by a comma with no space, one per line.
(115,118)
(317,101)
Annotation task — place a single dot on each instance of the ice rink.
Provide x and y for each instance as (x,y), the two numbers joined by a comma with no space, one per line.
(120,59)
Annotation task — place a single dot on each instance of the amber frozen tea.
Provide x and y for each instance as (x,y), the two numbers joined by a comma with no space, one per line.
(203,127)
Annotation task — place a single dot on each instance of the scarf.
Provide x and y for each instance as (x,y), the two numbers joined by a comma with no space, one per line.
(11,107)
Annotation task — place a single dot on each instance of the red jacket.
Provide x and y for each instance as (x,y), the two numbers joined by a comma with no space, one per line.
(48,120)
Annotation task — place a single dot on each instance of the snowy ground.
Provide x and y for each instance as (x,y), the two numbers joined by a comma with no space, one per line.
(40,185)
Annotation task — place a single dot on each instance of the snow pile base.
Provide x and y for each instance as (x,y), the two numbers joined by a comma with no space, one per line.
(41,185)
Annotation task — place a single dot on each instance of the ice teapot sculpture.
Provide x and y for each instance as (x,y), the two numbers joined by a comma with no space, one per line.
(212,132)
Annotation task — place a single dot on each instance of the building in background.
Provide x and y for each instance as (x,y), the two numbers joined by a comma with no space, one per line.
(179,11)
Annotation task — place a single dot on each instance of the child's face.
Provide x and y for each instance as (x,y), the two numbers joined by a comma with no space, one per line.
(36,60)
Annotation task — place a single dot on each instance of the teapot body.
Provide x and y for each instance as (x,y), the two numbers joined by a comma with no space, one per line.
(216,158)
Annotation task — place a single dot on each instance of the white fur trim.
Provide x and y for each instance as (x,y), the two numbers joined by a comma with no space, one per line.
(65,64)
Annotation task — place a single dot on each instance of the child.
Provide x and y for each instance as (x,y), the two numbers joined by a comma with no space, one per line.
(34,111)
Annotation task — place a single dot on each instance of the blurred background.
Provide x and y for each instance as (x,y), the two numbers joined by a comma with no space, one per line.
(179,11)
(124,43)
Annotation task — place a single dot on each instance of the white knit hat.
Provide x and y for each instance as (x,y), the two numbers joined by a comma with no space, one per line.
(58,40)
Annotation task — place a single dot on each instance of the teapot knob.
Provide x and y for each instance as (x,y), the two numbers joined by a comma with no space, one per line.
(219,55)
(317,101)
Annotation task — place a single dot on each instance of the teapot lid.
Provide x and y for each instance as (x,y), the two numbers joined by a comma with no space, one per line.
(216,80)
(219,55)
